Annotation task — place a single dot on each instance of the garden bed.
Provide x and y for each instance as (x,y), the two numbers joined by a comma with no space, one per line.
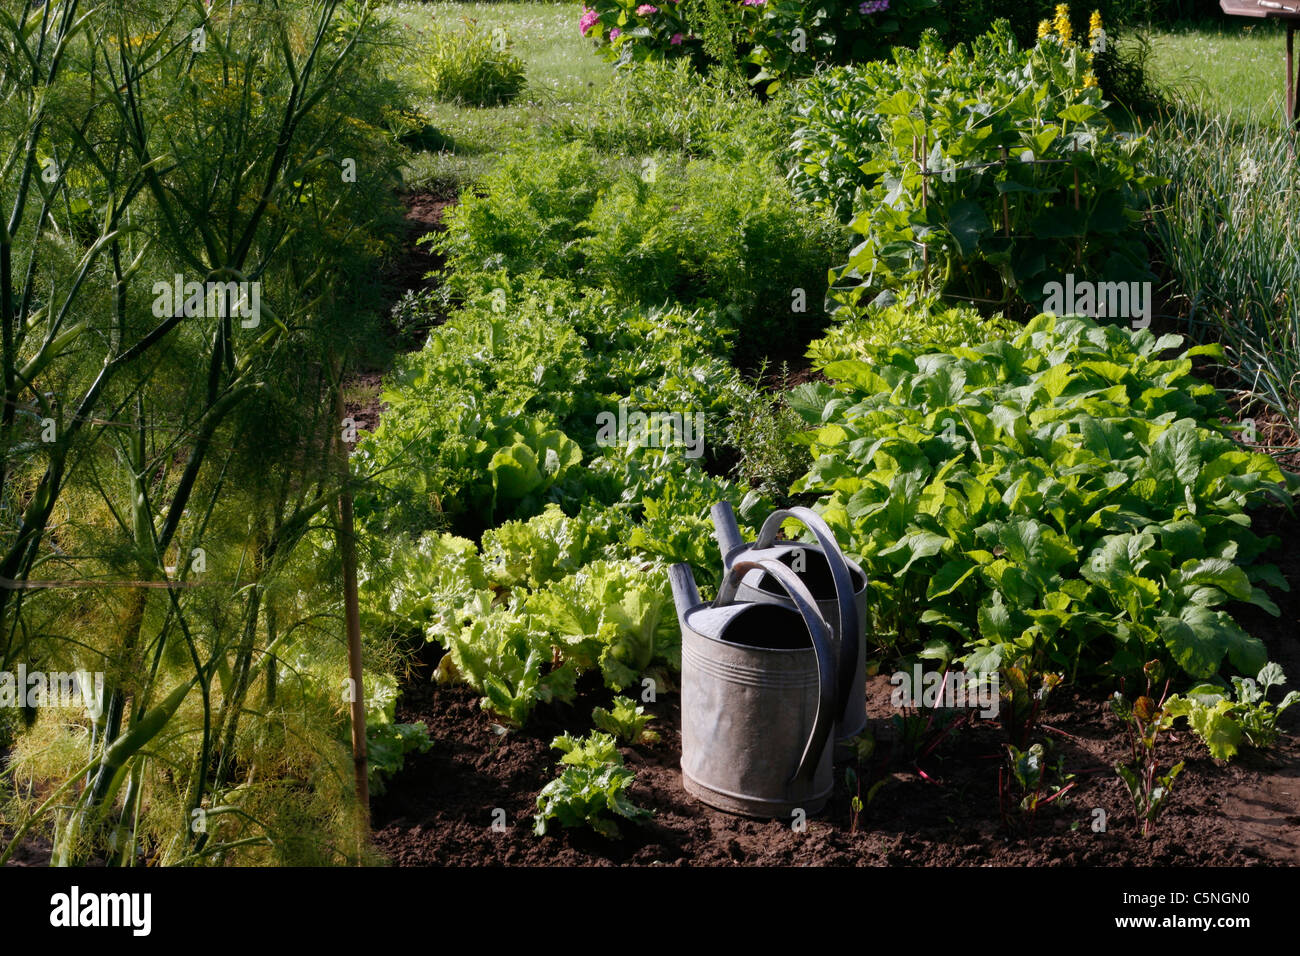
(439,810)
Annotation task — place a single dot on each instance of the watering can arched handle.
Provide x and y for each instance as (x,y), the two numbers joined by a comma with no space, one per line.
(848,608)
(820,632)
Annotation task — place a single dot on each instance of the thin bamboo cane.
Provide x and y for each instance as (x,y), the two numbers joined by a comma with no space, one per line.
(352,607)
(925,194)
(1006,213)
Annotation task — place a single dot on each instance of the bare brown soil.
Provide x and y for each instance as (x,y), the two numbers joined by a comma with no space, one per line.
(411,268)
(409,271)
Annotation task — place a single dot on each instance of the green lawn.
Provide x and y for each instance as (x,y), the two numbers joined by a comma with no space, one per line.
(1235,67)
(563,74)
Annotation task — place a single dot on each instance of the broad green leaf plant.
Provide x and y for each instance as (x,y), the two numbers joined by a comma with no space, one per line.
(1067,493)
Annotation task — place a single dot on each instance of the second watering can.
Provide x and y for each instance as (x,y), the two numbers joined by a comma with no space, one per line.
(758,696)
(837,584)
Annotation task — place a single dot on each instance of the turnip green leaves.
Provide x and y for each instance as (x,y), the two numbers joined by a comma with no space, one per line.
(1068,491)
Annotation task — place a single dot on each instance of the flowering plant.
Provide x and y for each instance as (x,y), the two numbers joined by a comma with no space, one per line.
(630,30)
(788,38)
(775,39)
(1059,30)
(983,172)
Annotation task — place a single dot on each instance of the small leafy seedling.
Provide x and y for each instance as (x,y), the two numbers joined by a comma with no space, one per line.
(627,721)
(1223,723)
(592,784)
(1025,688)
(857,804)
(1039,779)
(1144,718)
(920,730)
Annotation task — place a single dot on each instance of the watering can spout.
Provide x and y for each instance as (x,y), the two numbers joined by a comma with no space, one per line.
(685,594)
(725,529)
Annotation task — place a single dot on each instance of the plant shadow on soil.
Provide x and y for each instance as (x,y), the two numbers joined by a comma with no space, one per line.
(439,810)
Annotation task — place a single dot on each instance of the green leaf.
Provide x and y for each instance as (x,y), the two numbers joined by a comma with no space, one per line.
(1078,113)
(1200,637)
(1213,572)
(514,471)
(1219,729)
(951,576)
(995,620)
(968,223)
(984,660)
(918,545)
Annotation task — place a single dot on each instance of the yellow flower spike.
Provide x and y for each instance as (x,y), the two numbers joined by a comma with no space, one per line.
(1089,79)
(1094,25)
(1044,29)
(1062,24)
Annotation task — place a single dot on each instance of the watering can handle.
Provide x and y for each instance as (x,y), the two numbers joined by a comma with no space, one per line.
(848,608)
(820,632)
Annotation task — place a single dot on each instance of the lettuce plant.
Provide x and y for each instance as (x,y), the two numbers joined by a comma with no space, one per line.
(547,547)
(497,651)
(928,322)
(615,615)
(387,741)
(1223,723)
(409,582)
(626,720)
(520,647)
(591,786)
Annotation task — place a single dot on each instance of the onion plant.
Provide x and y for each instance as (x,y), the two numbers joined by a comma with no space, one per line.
(1228,229)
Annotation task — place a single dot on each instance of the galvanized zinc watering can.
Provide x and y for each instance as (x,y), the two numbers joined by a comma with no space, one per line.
(837,584)
(758,696)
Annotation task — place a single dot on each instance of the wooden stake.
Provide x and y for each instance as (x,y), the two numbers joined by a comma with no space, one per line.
(925,194)
(1006,215)
(1075,150)
(1078,246)
(352,608)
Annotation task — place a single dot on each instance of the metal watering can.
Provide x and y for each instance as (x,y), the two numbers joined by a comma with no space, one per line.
(838,585)
(758,696)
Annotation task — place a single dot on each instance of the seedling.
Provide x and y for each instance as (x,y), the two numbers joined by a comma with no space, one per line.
(1144,718)
(856,803)
(1025,688)
(920,730)
(626,721)
(1222,723)
(592,784)
(1039,779)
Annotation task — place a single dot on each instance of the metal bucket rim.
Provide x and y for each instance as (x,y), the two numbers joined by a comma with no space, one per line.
(750,647)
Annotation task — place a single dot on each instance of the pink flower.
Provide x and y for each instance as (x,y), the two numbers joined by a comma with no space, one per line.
(645,10)
(589,20)
(615,33)
(752,3)
(675,39)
